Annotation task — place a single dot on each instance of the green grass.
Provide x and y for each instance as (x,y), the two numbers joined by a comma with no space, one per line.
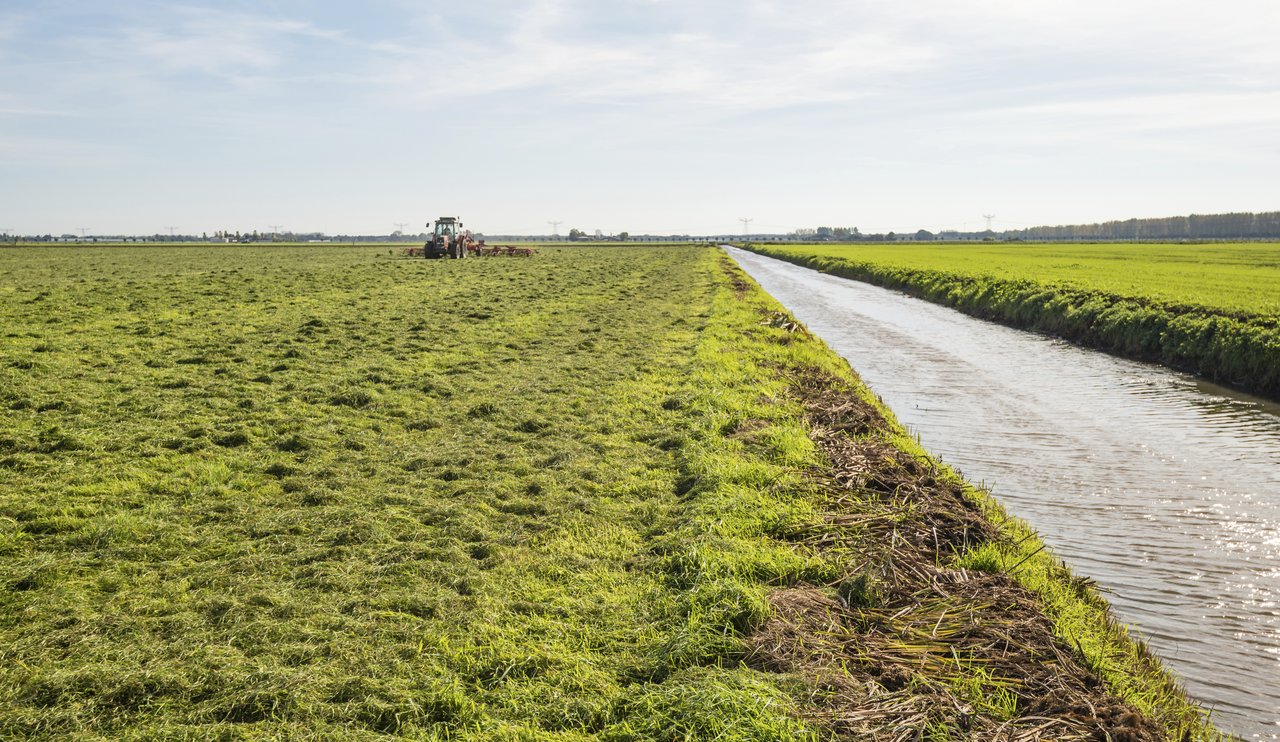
(332,494)
(1210,309)
(326,492)
(1236,279)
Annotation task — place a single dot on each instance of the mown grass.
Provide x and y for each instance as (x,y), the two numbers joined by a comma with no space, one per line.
(329,493)
(333,494)
(1210,309)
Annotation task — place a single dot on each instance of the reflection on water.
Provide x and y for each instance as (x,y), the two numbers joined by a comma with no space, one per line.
(1163,488)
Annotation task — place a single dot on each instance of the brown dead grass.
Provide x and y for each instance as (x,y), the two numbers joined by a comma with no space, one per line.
(741,286)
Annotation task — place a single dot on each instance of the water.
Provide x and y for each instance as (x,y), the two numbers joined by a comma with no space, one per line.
(1163,488)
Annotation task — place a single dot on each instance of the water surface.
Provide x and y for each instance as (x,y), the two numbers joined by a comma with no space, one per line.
(1163,488)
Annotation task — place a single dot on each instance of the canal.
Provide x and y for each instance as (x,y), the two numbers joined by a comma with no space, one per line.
(1163,488)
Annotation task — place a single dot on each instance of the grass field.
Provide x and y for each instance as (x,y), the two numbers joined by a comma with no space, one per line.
(1239,279)
(327,493)
(1211,309)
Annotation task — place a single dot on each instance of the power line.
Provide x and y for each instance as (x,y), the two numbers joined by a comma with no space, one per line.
(275,230)
(400,226)
(82,230)
(555,228)
(746,224)
(171,231)
(988,217)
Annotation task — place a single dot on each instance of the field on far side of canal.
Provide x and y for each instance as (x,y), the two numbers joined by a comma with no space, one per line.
(334,493)
(1212,309)
(1241,279)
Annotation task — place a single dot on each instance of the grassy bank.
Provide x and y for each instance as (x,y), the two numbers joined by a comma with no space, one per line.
(335,494)
(1213,310)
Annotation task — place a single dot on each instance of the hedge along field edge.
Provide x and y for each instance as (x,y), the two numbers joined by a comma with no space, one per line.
(1241,352)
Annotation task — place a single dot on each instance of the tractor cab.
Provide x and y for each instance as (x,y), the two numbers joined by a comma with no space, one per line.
(447,227)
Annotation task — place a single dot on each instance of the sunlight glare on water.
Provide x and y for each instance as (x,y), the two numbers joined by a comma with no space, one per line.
(1163,488)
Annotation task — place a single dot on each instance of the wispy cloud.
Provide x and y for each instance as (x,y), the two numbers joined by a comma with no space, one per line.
(1152,113)
(176,51)
(19,109)
(38,151)
(552,48)
(11,24)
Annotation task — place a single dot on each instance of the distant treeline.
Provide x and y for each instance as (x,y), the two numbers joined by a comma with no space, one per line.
(1244,225)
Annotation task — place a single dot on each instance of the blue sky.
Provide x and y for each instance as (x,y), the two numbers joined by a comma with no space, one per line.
(637,115)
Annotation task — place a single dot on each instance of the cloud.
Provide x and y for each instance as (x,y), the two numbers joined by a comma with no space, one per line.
(1152,113)
(1185,127)
(719,58)
(46,151)
(11,25)
(713,58)
(19,109)
(571,52)
(215,43)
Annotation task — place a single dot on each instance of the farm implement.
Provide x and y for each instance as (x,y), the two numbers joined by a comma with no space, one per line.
(450,240)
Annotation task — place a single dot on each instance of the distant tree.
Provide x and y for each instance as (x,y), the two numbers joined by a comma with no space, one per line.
(924,235)
(1244,225)
(623,236)
(576,234)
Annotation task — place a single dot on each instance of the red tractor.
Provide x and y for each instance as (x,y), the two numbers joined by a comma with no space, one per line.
(449,240)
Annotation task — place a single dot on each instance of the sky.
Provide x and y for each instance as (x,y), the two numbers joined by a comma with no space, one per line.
(662,116)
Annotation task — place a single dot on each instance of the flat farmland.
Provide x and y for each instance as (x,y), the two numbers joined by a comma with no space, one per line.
(606,492)
(321,484)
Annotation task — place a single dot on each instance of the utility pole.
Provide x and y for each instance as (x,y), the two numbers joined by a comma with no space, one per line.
(400,227)
(275,230)
(988,217)
(555,228)
(82,230)
(746,225)
(171,232)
